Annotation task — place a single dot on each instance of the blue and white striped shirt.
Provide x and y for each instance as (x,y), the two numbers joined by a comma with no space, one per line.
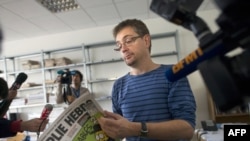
(150,97)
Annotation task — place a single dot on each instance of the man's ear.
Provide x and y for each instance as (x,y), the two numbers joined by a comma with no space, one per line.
(147,39)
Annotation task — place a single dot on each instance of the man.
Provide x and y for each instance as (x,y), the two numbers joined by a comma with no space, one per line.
(10,128)
(76,88)
(146,105)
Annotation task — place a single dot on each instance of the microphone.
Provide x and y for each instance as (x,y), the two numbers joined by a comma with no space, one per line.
(19,80)
(189,64)
(66,71)
(16,85)
(45,114)
(46,111)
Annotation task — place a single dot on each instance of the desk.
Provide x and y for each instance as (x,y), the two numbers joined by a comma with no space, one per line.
(201,135)
(213,136)
(18,137)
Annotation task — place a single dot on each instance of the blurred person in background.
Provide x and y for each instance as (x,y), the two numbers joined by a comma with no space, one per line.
(76,88)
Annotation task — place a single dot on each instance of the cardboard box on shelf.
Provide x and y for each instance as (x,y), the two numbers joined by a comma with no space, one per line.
(31,64)
(62,61)
(49,62)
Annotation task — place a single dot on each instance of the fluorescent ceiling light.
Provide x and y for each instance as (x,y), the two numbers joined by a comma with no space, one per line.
(57,6)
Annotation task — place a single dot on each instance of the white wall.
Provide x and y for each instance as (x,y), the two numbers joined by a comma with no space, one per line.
(187,44)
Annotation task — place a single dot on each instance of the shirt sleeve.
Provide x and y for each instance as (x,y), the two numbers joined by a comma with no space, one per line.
(15,126)
(6,128)
(182,102)
(115,95)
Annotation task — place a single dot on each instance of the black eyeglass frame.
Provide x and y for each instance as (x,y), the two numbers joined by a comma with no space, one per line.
(126,42)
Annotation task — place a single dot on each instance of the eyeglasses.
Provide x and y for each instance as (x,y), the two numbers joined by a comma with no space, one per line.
(126,42)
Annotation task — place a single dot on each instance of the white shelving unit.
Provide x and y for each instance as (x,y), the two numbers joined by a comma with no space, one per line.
(13,66)
(99,63)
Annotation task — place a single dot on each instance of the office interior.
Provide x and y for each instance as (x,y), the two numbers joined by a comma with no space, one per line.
(100,34)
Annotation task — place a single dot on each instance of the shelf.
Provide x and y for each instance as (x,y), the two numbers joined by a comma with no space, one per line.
(226,117)
(102,98)
(31,88)
(104,61)
(49,85)
(37,105)
(27,106)
(165,54)
(102,80)
(64,66)
(26,71)
(120,59)
(24,56)
(229,118)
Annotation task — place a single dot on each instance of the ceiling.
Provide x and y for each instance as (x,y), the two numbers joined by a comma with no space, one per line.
(21,19)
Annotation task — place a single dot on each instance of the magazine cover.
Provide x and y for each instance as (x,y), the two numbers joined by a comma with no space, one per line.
(77,123)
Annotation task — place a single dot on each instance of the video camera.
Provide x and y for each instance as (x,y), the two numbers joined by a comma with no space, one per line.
(66,80)
(66,76)
(226,76)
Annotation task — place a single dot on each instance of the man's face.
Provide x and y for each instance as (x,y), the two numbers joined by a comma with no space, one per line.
(76,78)
(132,46)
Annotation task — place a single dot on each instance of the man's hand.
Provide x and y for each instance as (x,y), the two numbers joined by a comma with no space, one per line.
(58,79)
(117,127)
(33,125)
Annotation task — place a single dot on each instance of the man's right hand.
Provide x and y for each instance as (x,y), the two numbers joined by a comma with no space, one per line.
(33,125)
(58,79)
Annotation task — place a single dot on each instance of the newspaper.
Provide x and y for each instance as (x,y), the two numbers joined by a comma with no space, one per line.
(77,123)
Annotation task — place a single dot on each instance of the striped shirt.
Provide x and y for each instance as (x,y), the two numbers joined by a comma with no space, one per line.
(150,97)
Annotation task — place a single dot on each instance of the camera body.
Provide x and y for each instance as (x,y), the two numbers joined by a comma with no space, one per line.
(66,76)
(226,77)
(66,80)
